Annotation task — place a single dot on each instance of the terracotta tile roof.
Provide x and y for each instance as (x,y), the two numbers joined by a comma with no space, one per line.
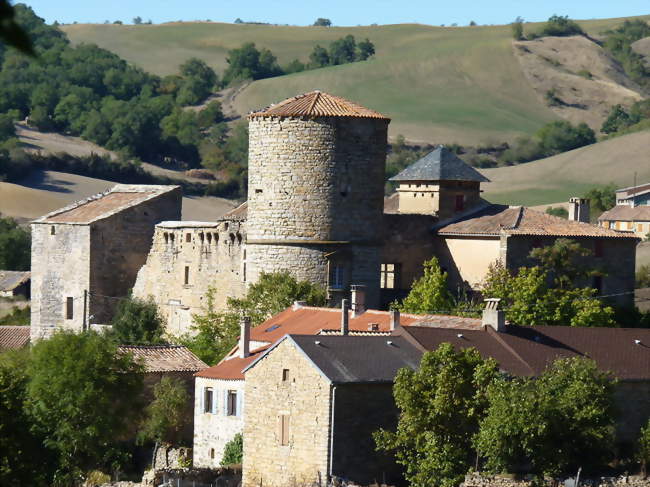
(118,198)
(626,213)
(238,213)
(635,190)
(10,280)
(317,104)
(528,350)
(231,368)
(501,219)
(165,358)
(13,337)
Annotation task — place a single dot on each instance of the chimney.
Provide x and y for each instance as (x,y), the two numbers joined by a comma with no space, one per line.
(394,319)
(579,210)
(493,316)
(358,299)
(244,337)
(345,317)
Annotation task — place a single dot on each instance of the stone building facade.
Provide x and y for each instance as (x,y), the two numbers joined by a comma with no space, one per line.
(186,260)
(315,192)
(86,255)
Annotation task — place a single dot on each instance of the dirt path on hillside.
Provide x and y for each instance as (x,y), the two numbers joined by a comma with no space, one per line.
(227,99)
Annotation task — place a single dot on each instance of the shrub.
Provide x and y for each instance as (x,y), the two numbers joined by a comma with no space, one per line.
(561,26)
(557,211)
(233,452)
(138,322)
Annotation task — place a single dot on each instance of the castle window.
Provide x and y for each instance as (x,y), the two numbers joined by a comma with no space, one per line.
(285,375)
(188,237)
(52,230)
(69,308)
(202,237)
(390,276)
(283,435)
(231,403)
(212,453)
(337,276)
(209,238)
(187,275)
(460,202)
(258,191)
(216,238)
(166,235)
(208,400)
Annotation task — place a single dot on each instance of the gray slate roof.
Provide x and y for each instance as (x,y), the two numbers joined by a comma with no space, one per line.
(10,280)
(358,359)
(440,165)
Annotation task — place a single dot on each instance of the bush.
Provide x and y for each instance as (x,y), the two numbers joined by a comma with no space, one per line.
(561,136)
(557,211)
(15,246)
(561,26)
(233,452)
(138,322)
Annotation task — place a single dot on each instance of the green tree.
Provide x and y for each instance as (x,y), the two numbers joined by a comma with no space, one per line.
(518,29)
(138,322)
(19,443)
(440,406)
(319,57)
(15,246)
(83,396)
(571,404)
(343,50)
(233,452)
(429,293)
(321,22)
(601,198)
(558,25)
(11,32)
(366,49)
(564,260)
(561,136)
(617,119)
(168,414)
(137,20)
(247,62)
(7,128)
(643,448)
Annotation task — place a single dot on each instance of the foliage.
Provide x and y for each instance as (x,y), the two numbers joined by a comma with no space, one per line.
(366,49)
(601,198)
(247,62)
(341,51)
(571,404)
(564,261)
(233,452)
(557,211)
(620,119)
(440,407)
(19,443)
(138,322)
(643,276)
(619,42)
(17,317)
(643,449)
(429,293)
(215,332)
(168,414)
(518,30)
(15,246)
(11,32)
(321,22)
(319,57)
(558,25)
(83,396)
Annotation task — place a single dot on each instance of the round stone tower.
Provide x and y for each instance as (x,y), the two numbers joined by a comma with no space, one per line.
(315,192)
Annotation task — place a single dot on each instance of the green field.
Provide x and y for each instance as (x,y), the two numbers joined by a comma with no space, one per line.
(438,84)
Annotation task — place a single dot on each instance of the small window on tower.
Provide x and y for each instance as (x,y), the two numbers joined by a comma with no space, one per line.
(187,275)
(284,429)
(285,375)
(188,237)
(389,276)
(258,191)
(69,308)
(337,276)
(52,230)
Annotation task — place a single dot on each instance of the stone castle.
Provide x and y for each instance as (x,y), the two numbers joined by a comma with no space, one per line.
(315,208)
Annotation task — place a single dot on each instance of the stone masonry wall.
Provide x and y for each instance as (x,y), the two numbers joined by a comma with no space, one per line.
(313,182)
(214,429)
(305,398)
(119,248)
(215,255)
(60,269)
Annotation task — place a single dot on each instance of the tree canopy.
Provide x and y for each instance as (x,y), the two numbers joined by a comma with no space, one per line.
(138,322)
(168,414)
(15,246)
(429,294)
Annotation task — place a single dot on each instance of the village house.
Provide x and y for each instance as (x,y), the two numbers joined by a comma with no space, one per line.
(323,396)
(632,211)
(14,284)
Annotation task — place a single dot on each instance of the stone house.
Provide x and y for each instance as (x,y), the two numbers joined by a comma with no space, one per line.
(222,386)
(632,211)
(14,284)
(322,398)
(87,254)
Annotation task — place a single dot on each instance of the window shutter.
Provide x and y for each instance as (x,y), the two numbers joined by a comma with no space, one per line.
(202,399)
(214,401)
(225,402)
(240,401)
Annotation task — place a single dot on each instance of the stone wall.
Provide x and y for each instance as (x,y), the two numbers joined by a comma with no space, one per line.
(305,398)
(486,480)
(633,404)
(361,409)
(214,429)
(437,198)
(214,254)
(316,185)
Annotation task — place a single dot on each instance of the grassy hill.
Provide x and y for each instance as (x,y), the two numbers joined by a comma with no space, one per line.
(557,178)
(439,84)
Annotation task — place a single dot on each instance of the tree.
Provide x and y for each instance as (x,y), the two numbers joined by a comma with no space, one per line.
(138,322)
(617,119)
(15,246)
(472,23)
(137,20)
(564,261)
(571,404)
(83,396)
(19,443)
(319,57)
(7,128)
(429,293)
(233,452)
(343,50)
(643,448)
(247,62)
(321,22)
(11,32)
(518,29)
(558,25)
(440,406)
(601,198)
(168,414)
(561,136)
(366,50)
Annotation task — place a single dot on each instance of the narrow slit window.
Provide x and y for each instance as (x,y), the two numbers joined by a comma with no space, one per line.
(69,308)
(188,237)
(285,375)
(284,429)
(187,275)
(52,230)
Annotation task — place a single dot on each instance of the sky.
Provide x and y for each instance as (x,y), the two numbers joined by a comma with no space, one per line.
(341,12)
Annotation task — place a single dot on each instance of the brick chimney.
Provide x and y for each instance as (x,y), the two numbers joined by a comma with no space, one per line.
(345,317)
(358,299)
(394,319)
(579,210)
(493,316)
(244,337)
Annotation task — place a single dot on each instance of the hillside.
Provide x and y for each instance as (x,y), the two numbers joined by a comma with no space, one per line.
(439,84)
(45,191)
(557,178)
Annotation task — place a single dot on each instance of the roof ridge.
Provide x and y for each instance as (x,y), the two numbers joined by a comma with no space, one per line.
(313,103)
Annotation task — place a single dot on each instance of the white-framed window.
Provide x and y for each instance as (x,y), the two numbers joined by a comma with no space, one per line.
(232,403)
(389,276)
(209,400)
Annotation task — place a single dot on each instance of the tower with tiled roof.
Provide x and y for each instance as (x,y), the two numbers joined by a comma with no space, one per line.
(315,192)
(439,184)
